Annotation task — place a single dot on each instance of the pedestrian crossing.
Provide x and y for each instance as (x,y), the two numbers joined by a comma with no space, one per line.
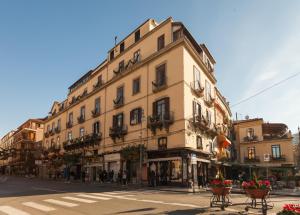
(75,200)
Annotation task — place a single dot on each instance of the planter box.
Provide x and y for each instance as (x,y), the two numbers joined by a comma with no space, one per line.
(257,193)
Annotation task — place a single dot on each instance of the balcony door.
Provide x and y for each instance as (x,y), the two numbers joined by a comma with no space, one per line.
(120,93)
(118,121)
(161,108)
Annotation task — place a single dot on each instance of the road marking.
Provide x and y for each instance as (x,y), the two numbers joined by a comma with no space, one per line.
(152,201)
(12,211)
(61,203)
(38,206)
(114,196)
(116,192)
(79,199)
(93,197)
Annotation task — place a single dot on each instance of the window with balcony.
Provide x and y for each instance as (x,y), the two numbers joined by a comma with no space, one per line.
(136,86)
(251,153)
(197,110)
(122,47)
(161,108)
(81,117)
(199,142)
(70,135)
(136,116)
(81,132)
(207,91)
(162,143)
(59,124)
(160,42)
(96,111)
(137,35)
(96,128)
(136,56)
(276,152)
(99,82)
(160,78)
(58,141)
(118,120)
(53,126)
(121,66)
(250,132)
(196,85)
(119,101)
(208,117)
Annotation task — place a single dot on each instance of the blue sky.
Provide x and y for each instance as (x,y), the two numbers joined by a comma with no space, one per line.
(255,44)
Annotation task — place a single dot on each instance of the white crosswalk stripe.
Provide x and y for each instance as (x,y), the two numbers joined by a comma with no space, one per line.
(93,197)
(79,199)
(114,196)
(38,206)
(12,211)
(61,203)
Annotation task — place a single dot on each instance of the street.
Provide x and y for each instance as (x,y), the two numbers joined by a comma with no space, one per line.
(19,196)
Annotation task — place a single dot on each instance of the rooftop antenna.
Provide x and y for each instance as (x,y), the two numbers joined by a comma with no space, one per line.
(116,37)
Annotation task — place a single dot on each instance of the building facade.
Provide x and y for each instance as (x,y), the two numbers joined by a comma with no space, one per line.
(5,146)
(151,108)
(265,148)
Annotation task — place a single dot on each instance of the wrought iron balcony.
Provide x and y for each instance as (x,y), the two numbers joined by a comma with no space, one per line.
(118,132)
(95,112)
(251,138)
(159,85)
(251,159)
(52,132)
(118,102)
(69,124)
(46,134)
(160,121)
(209,101)
(278,158)
(197,89)
(200,122)
(81,119)
(98,84)
(57,130)
(82,142)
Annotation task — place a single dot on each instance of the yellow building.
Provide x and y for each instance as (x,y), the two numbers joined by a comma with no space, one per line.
(155,95)
(5,146)
(265,147)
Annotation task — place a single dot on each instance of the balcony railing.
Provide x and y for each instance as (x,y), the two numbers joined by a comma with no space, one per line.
(52,132)
(251,159)
(159,85)
(82,142)
(250,138)
(118,132)
(160,121)
(275,137)
(197,89)
(278,158)
(209,101)
(46,134)
(98,84)
(201,122)
(69,124)
(81,119)
(119,102)
(95,112)
(57,130)
(127,65)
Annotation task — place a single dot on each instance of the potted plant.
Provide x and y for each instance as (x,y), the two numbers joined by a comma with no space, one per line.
(257,189)
(290,209)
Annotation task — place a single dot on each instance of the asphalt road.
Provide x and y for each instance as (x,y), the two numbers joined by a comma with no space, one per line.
(19,196)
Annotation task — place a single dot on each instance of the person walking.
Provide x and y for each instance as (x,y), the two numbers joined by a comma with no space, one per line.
(124,177)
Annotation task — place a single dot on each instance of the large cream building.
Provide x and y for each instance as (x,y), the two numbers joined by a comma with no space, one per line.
(264,147)
(154,95)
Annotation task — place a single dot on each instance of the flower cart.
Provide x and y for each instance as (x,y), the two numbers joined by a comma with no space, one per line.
(290,209)
(258,192)
(220,193)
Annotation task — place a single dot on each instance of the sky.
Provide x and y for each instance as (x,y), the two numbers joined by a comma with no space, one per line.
(45,46)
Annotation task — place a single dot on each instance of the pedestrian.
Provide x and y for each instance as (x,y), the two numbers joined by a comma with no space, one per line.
(100,174)
(104,175)
(120,177)
(124,177)
(152,178)
(200,178)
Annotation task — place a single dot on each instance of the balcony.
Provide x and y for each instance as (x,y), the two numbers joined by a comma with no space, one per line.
(46,134)
(251,160)
(200,122)
(118,132)
(54,148)
(197,89)
(51,132)
(128,65)
(278,158)
(159,85)
(209,101)
(95,113)
(275,137)
(57,130)
(69,124)
(98,84)
(251,138)
(213,130)
(81,119)
(118,102)
(160,121)
(82,142)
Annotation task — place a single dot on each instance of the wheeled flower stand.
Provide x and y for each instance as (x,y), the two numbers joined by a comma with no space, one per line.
(258,199)
(220,197)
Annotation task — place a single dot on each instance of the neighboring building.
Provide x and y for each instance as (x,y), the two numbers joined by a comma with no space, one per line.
(265,147)
(5,146)
(154,95)
(26,147)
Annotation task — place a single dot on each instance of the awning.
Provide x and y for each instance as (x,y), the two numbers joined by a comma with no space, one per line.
(223,141)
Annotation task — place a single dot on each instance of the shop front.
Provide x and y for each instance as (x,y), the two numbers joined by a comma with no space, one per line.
(93,165)
(112,164)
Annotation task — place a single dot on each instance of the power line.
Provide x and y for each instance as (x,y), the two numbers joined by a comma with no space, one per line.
(266,89)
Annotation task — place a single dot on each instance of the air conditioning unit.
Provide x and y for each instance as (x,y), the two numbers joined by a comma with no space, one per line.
(267,157)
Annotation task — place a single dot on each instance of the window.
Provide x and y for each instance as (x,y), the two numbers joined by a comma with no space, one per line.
(136,86)
(71,118)
(121,66)
(208,116)
(53,126)
(112,55)
(59,124)
(161,108)
(177,34)
(251,152)
(58,141)
(276,152)
(137,35)
(70,135)
(52,142)
(118,120)
(122,47)
(162,143)
(48,128)
(136,56)
(197,108)
(120,92)
(97,105)
(136,116)
(161,75)
(81,132)
(199,142)
(197,82)
(96,128)
(250,132)
(207,90)
(82,112)
(160,42)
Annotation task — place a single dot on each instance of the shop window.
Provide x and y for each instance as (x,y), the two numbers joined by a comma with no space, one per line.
(162,143)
